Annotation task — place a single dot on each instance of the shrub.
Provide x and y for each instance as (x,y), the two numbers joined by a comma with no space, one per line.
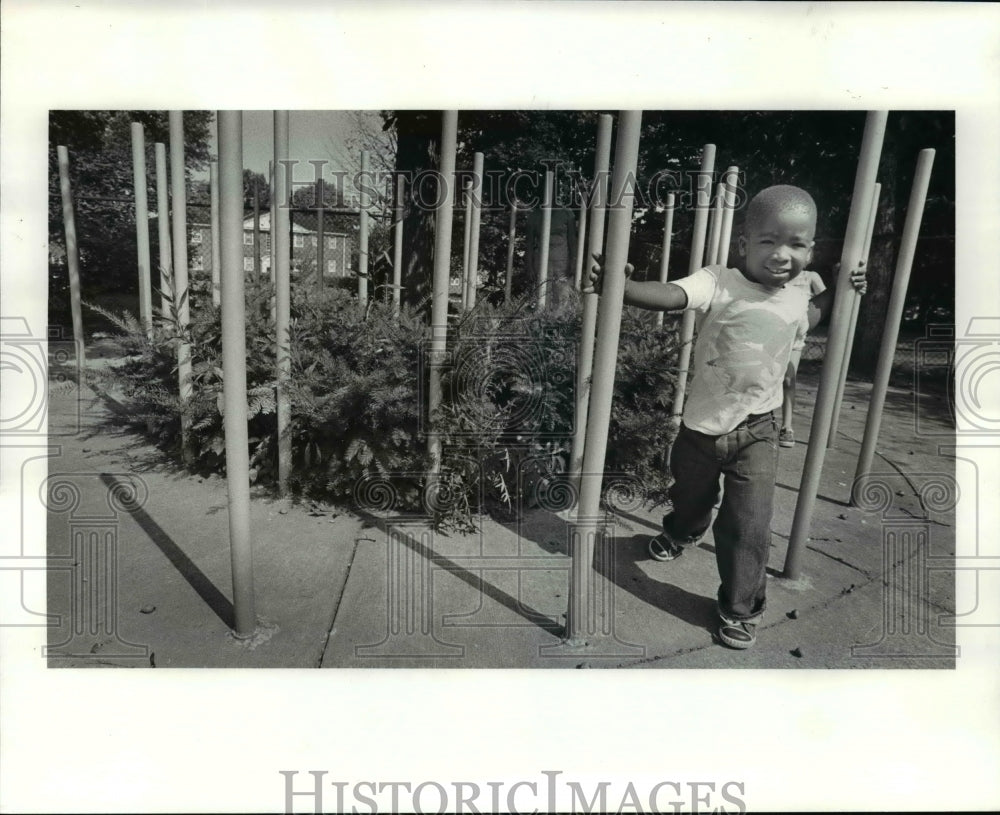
(148,378)
(355,394)
(358,396)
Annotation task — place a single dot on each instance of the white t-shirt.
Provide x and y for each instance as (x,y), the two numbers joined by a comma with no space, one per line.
(745,335)
(813,284)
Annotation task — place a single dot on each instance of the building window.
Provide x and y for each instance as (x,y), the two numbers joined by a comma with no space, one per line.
(331,243)
(298,241)
(331,267)
(197,264)
(247,264)
(196,236)
(248,238)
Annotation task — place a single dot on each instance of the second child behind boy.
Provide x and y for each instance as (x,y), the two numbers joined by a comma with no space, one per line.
(746,322)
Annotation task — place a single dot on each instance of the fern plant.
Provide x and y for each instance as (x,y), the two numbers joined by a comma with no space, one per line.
(358,393)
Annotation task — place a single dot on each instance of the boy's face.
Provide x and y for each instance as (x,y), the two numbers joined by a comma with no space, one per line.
(778,247)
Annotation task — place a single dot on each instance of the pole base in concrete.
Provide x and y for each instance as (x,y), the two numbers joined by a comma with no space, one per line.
(800,583)
(597,645)
(261,634)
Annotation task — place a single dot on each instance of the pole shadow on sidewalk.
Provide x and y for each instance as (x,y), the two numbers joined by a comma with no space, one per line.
(187,568)
(476,581)
(623,572)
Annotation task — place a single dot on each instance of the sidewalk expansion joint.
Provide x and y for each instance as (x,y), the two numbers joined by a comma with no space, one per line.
(841,561)
(336,607)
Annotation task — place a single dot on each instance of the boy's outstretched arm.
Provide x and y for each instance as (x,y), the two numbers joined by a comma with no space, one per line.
(654,295)
(650,294)
(821,305)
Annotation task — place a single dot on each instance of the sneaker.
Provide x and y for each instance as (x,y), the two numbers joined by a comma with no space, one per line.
(786,437)
(737,633)
(663,548)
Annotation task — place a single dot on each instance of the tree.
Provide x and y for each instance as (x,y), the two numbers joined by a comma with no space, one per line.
(418,135)
(256,182)
(512,141)
(370,133)
(932,280)
(816,150)
(100,151)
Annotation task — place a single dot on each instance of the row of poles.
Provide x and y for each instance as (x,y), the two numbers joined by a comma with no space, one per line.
(601,318)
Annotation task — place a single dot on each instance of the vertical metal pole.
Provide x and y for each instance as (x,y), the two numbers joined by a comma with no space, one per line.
(363,236)
(163,229)
(543,254)
(234,367)
(477,207)
(72,253)
(668,237)
(725,242)
(281,223)
(894,314)
(703,194)
(321,233)
(715,224)
(855,308)
(595,244)
(725,239)
(256,231)
(511,235)
(441,279)
(291,231)
(272,233)
(216,234)
(397,246)
(178,196)
(605,358)
(466,244)
(581,246)
(142,226)
(857,222)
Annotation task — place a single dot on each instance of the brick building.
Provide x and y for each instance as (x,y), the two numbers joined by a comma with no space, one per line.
(339,244)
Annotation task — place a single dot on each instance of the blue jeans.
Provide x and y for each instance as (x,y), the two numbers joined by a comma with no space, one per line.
(747,458)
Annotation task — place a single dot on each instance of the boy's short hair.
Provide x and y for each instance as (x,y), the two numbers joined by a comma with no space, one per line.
(779,198)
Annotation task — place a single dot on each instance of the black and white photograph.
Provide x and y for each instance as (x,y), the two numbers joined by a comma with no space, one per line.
(421,337)
(541,404)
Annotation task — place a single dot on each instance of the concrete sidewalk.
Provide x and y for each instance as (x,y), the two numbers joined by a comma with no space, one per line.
(140,568)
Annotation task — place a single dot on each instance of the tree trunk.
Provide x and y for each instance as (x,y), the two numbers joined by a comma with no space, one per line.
(418,139)
(881,265)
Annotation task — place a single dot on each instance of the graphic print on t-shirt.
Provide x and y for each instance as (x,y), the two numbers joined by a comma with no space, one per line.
(746,351)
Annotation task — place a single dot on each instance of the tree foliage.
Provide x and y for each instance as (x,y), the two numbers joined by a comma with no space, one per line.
(100,159)
(816,150)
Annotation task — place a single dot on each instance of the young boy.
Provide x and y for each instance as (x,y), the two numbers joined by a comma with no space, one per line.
(813,284)
(746,321)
